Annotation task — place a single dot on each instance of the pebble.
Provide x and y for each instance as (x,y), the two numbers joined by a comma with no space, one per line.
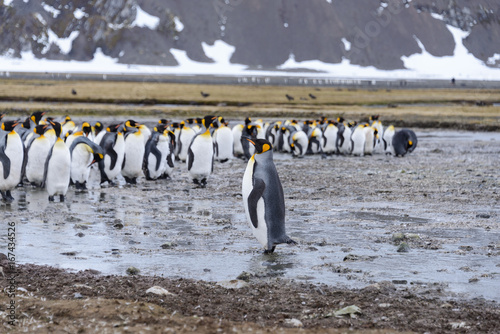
(132,271)
(233,284)
(293,322)
(403,248)
(158,290)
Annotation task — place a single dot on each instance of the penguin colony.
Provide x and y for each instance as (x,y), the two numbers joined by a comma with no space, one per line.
(56,155)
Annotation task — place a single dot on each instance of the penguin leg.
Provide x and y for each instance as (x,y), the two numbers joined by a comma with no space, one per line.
(270,251)
(6,197)
(51,198)
(9,196)
(61,198)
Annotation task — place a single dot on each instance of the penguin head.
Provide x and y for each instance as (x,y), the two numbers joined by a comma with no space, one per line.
(130,126)
(9,125)
(160,128)
(261,145)
(56,126)
(40,129)
(113,127)
(98,127)
(86,128)
(163,121)
(207,121)
(36,117)
(2,115)
(66,119)
(96,157)
(27,123)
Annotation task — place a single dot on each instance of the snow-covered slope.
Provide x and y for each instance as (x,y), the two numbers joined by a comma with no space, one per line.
(388,39)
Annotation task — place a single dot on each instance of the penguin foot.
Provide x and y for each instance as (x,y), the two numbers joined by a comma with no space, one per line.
(291,241)
(195,181)
(224,160)
(270,251)
(61,198)
(130,180)
(203,182)
(51,198)
(7,197)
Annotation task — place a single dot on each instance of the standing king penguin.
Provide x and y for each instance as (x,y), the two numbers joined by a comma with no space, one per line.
(200,158)
(263,197)
(134,152)
(11,158)
(37,153)
(113,144)
(57,167)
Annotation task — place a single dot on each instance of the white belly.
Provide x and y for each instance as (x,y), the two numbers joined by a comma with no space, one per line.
(134,154)
(58,172)
(14,151)
(80,161)
(203,151)
(261,231)
(37,156)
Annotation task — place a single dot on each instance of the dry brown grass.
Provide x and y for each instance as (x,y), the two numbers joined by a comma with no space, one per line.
(418,107)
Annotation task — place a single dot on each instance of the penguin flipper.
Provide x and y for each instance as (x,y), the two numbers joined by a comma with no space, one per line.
(190,158)
(46,167)
(170,161)
(5,163)
(253,198)
(156,152)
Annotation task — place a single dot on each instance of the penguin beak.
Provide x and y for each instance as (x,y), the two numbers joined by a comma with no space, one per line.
(251,141)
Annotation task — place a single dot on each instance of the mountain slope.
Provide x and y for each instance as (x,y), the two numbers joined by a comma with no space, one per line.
(265,34)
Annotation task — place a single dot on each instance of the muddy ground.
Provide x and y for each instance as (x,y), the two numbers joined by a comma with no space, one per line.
(432,201)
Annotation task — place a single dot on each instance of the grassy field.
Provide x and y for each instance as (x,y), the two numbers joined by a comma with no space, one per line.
(453,107)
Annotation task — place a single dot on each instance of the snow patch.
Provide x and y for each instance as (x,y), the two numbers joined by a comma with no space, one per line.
(347,44)
(438,16)
(64,44)
(79,14)
(40,18)
(145,20)
(178,24)
(461,65)
(50,9)
(493,59)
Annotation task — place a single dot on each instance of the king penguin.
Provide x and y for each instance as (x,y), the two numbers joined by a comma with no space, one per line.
(200,159)
(223,140)
(159,154)
(37,153)
(263,198)
(57,167)
(404,141)
(134,152)
(84,153)
(11,158)
(113,144)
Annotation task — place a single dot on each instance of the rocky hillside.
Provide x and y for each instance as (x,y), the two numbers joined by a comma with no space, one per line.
(264,33)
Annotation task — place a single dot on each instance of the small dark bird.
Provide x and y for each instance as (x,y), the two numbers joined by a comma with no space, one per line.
(204,94)
(289,97)
(312,96)
(73,91)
